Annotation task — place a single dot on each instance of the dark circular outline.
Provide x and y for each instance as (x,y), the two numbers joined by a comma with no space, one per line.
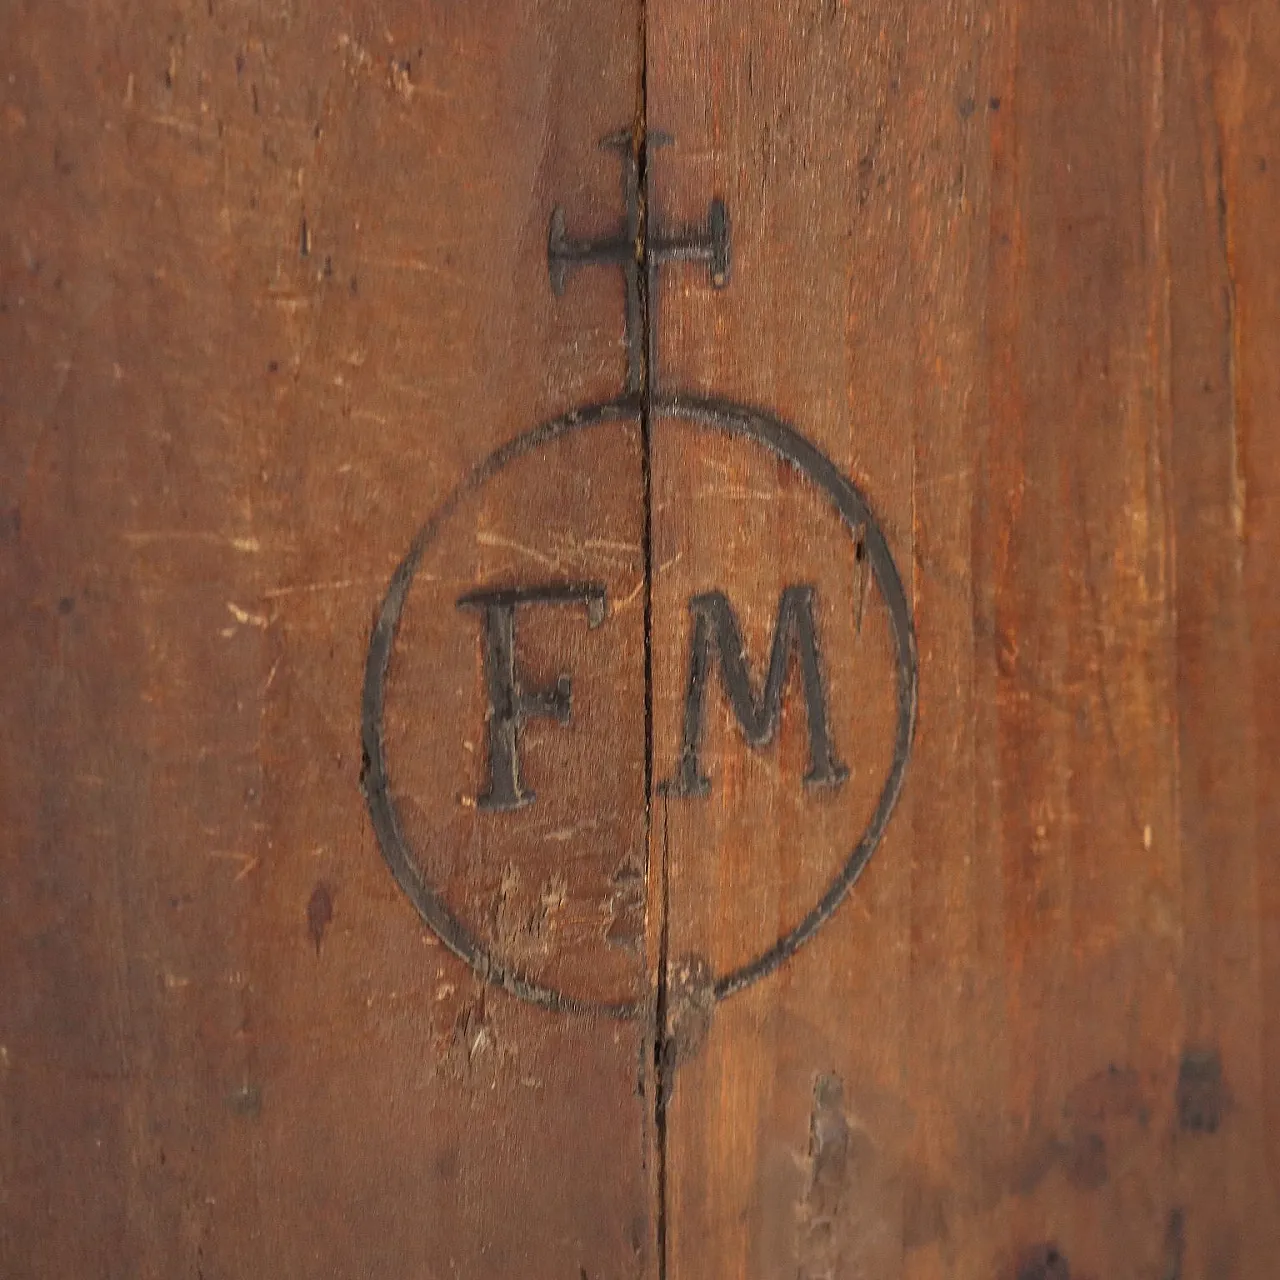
(735,420)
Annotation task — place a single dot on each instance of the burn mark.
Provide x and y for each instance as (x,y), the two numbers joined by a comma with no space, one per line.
(319,913)
(1201,1094)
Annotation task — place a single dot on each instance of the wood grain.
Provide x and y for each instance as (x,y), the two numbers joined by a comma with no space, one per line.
(274,279)
(274,283)
(990,258)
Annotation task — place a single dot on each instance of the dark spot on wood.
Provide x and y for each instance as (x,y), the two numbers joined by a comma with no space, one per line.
(319,913)
(1085,1161)
(1043,1262)
(65,605)
(866,171)
(354,286)
(1114,1093)
(1201,1092)
(994,103)
(446,1164)
(304,239)
(246,1101)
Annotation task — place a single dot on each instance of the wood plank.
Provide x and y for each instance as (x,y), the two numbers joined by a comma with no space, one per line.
(314,487)
(979,260)
(274,280)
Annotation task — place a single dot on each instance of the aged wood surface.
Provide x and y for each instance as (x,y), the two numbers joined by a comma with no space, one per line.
(1006,263)
(273,278)
(274,283)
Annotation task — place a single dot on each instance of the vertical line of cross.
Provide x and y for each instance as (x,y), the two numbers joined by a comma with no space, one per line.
(637,247)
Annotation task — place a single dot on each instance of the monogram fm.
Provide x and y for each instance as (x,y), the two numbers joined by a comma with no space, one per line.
(570,631)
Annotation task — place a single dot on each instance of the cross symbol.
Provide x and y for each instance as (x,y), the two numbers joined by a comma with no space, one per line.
(640,252)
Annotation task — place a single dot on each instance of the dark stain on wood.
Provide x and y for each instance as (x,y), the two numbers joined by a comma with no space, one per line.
(245,1101)
(1043,1262)
(319,913)
(1201,1093)
(1174,1247)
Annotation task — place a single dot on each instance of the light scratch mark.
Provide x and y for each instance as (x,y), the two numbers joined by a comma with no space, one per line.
(486,539)
(245,618)
(341,584)
(152,537)
(247,862)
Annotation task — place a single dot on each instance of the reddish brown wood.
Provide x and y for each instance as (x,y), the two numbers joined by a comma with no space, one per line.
(991,259)
(273,281)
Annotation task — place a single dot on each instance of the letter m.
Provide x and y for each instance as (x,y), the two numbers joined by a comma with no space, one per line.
(795,632)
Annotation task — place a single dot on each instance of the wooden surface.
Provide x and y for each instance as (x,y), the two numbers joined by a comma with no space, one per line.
(274,281)
(230,1048)
(1006,265)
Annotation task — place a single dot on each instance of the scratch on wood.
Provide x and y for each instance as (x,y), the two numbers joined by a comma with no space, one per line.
(487,539)
(246,861)
(245,618)
(343,584)
(150,537)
